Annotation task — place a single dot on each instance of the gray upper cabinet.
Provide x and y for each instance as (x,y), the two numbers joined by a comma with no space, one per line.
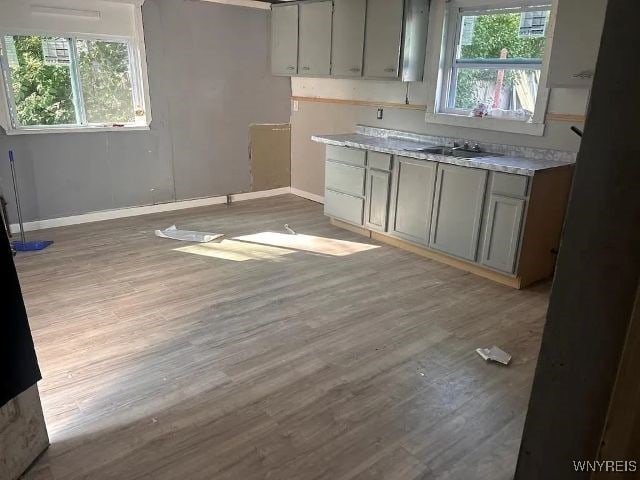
(412,199)
(284,40)
(377,199)
(383,38)
(396,39)
(314,56)
(348,37)
(502,232)
(576,42)
(378,39)
(457,211)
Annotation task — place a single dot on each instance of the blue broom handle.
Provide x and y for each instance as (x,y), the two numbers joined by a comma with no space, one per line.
(15,190)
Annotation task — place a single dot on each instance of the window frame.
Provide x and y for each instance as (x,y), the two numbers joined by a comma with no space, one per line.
(139,96)
(442,60)
(452,62)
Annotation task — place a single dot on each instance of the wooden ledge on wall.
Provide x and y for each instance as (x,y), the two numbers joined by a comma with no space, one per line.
(550,117)
(359,103)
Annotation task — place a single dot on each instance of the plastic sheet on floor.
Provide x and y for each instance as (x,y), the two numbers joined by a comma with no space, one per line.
(187,235)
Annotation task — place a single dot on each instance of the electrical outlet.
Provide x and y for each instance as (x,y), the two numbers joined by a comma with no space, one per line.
(380,114)
(295,105)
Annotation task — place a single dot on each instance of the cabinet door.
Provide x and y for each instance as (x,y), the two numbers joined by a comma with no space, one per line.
(457,212)
(502,232)
(284,40)
(315,38)
(573,61)
(383,38)
(413,186)
(348,37)
(377,200)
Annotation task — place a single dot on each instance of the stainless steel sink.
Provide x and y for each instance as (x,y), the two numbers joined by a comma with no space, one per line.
(469,154)
(457,152)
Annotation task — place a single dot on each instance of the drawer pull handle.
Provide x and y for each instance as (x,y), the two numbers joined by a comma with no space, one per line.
(354,69)
(306,68)
(390,69)
(291,67)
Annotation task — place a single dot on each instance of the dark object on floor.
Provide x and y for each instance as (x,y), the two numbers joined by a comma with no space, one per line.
(577,131)
(18,363)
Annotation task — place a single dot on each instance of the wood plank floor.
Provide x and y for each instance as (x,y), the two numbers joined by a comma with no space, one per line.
(331,357)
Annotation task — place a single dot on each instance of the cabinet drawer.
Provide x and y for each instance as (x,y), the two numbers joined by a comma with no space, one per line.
(352,156)
(509,184)
(380,161)
(343,207)
(344,178)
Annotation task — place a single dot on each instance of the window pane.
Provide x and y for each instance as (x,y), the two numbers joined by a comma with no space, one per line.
(41,80)
(106,81)
(503,35)
(497,89)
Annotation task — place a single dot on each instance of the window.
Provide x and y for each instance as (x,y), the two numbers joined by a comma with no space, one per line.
(493,61)
(53,82)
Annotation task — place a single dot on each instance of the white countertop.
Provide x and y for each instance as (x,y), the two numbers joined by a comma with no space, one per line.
(407,148)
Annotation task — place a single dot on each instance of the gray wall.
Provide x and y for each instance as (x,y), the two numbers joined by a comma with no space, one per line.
(209,79)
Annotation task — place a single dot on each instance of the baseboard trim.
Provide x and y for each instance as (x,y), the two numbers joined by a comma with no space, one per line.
(307,195)
(513,282)
(144,210)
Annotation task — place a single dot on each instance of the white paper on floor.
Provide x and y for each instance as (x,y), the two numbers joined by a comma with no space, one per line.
(187,235)
(494,354)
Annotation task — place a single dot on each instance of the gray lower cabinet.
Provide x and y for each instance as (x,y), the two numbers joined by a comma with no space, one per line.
(314,57)
(457,210)
(343,207)
(352,156)
(348,37)
(412,199)
(383,38)
(284,40)
(502,232)
(377,200)
(344,178)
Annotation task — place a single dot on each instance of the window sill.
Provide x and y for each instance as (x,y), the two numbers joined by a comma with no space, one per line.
(39,131)
(496,124)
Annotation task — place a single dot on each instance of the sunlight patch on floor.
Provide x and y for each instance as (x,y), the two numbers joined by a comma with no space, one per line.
(308,243)
(235,251)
